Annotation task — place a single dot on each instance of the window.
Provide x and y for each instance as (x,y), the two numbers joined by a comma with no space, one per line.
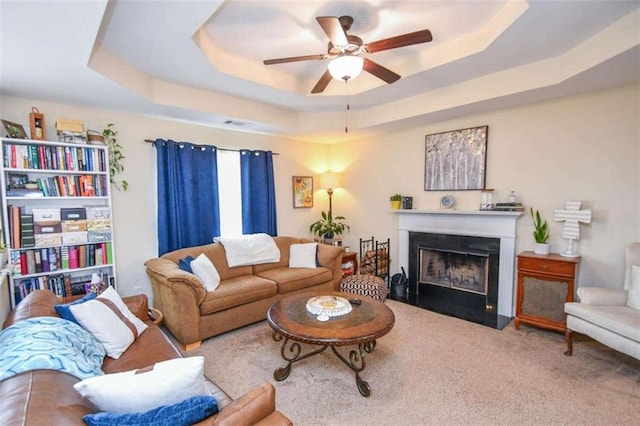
(229,193)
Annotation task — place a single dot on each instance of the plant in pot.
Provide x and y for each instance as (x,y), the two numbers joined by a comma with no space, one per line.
(540,233)
(328,226)
(396,200)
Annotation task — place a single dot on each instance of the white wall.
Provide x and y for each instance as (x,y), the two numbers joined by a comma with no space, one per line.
(585,147)
(578,148)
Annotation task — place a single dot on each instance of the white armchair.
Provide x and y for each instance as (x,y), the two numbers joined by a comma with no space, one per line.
(610,316)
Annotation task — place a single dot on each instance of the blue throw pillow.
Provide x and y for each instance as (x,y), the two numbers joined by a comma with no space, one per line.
(185,264)
(191,410)
(65,312)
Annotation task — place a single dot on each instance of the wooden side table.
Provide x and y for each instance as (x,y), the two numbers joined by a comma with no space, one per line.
(353,258)
(545,283)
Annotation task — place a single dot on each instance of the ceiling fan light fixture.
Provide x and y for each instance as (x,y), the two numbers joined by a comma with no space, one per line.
(345,67)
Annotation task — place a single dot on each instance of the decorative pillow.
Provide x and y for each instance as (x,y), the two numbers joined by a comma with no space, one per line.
(191,410)
(303,255)
(110,321)
(633,292)
(164,383)
(65,312)
(185,264)
(204,269)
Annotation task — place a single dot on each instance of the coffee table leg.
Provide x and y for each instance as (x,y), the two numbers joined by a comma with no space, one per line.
(291,351)
(357,364)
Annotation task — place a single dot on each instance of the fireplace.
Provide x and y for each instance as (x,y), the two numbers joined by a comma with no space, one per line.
(455,275)
(467,259)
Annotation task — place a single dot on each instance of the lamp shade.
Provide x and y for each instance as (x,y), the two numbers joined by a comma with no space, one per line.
(330,180)
(345,67)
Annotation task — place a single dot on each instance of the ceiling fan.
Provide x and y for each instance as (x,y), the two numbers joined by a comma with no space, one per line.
(351,47)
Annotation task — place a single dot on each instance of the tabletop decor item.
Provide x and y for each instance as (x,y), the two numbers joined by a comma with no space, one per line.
(37,126)
(325,307)
(14,130)
(572,215)
(447,202)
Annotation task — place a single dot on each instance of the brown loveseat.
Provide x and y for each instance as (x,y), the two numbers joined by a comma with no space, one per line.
(47,397)
(244,295)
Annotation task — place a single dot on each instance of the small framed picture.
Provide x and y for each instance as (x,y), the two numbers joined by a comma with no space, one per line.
(14,130)
(302,192)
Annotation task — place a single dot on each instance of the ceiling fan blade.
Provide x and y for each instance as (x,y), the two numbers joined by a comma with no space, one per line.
(399,41)
(333,28)
(294,59)
(379,71)
(322,83)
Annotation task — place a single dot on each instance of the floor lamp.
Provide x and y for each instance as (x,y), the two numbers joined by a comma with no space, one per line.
(330,181)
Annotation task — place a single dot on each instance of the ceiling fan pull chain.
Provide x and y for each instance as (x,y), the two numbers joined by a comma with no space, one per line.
(346,111)
(346,129)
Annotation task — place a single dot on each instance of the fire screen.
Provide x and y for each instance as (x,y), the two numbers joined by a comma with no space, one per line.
(458,270)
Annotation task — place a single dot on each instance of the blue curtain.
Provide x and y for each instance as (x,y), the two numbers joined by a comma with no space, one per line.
(258,192)
(188,210)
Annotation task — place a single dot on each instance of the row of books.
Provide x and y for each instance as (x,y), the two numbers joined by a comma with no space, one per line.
(45,157)
(51,259)
(62,285)
(65,186)
(74,186)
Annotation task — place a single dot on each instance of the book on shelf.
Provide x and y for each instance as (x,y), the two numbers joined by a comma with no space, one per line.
(14,224)
(27,236)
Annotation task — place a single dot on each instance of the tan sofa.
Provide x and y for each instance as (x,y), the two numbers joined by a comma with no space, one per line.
(244,295)
(47,397)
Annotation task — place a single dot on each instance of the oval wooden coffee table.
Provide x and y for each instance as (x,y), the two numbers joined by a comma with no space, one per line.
(292,323)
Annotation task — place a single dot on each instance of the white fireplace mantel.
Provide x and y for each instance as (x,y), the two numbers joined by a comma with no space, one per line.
(490,224)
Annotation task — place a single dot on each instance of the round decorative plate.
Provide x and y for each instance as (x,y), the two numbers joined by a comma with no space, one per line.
(325,307)
(447,201)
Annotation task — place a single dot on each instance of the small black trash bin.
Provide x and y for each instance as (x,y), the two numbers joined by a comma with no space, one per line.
(399,283)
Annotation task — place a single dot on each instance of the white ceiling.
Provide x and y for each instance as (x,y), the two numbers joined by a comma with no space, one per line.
(201,61)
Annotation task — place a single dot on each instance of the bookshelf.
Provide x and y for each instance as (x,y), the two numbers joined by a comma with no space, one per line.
(56,217)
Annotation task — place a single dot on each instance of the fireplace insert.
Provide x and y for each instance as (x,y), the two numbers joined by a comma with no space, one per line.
(456,275)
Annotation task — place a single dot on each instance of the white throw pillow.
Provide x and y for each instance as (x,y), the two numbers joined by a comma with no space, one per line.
(109,319)
(204,269)
(633,292)
(303,255)
(164,383)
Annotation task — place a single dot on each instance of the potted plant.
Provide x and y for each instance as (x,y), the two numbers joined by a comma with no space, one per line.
(328,226)
(115,156)
(540,233)
(396,200)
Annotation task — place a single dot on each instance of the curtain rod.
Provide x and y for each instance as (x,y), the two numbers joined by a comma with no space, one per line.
(221,149)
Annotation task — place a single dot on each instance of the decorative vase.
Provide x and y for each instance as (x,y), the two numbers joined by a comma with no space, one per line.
(541,248)
(396,204)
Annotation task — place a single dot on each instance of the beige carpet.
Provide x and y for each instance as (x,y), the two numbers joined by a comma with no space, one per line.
(435,369)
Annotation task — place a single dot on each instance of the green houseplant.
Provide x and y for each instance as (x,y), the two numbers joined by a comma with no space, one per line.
(395,199)
(540,233)
(328,226)
(116,155)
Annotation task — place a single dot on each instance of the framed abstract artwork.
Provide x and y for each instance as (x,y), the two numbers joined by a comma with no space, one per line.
(302,192)
(456,160)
